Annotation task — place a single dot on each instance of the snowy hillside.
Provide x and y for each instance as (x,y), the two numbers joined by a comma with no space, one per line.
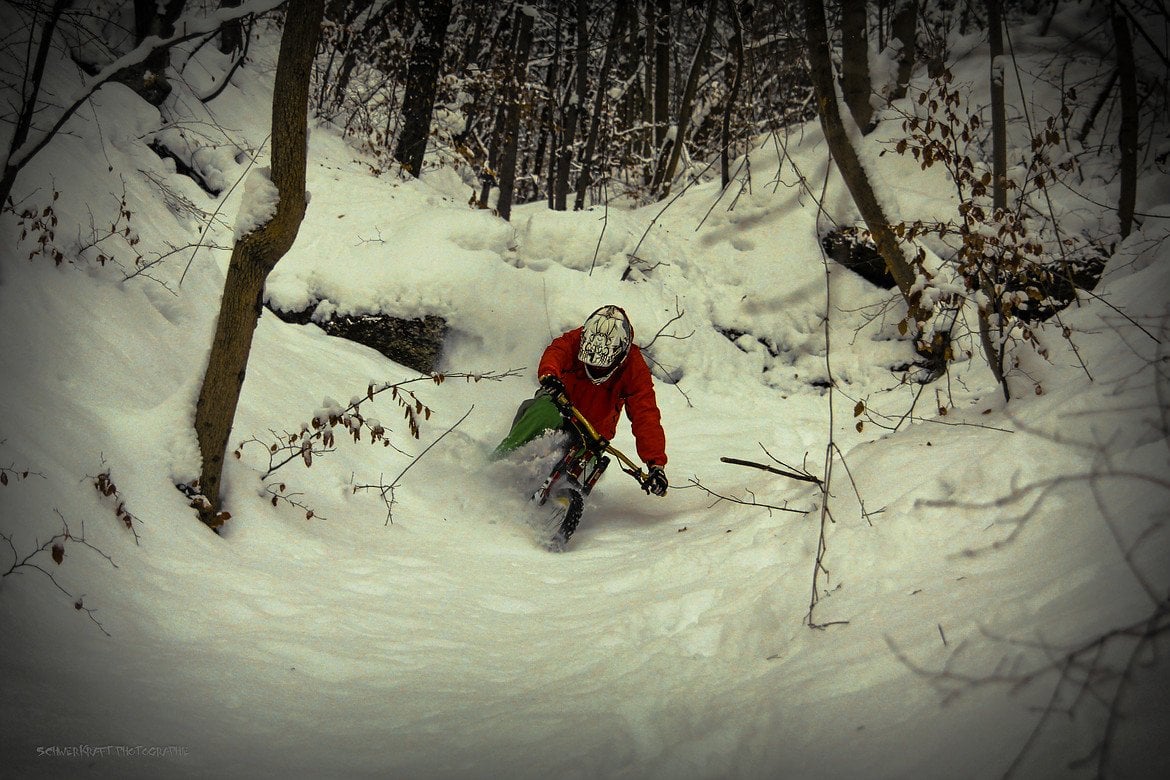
(978,554)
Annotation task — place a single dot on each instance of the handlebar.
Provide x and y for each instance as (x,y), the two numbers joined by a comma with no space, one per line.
(595,441)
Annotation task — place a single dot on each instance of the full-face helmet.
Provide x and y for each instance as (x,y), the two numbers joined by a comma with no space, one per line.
(605,342)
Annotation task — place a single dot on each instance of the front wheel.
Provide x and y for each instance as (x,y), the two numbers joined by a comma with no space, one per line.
(566,505)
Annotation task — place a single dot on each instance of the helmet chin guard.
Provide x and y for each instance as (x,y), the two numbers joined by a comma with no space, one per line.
(605,342)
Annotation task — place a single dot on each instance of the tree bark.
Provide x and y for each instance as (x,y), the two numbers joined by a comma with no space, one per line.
(584,178)
(665,176)
(1127,137)
(231,37)
(992,350)
(854,175)
(855,82)
(555,115)
(733,93)
(998,110)
(574,109)
(904,28)
(662,46)
(30,91)
(149,79)
(422,81)
(516,82)
(257,253)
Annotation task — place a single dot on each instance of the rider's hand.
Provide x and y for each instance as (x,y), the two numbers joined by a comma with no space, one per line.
(553,385)
(656,482)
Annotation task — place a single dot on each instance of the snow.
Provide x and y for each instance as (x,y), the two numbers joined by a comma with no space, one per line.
(259,203)
(670,640)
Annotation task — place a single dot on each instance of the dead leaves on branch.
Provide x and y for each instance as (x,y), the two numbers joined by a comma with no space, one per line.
(318,435)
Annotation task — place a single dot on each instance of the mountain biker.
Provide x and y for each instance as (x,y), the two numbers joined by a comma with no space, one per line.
(601,371)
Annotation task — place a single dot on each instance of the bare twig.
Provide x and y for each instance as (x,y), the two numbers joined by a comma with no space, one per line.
(279,492)
(54,549)
(750,502)
(678,315)
(387,491)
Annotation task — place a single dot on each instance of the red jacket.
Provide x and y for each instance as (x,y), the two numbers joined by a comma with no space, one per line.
(630,386)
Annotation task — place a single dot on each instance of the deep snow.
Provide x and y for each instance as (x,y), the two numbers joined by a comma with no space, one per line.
(670,640)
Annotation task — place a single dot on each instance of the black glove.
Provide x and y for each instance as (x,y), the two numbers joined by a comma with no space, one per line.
(553,386)
(656,481)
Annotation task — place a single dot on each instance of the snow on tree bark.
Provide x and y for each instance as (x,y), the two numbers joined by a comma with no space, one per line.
(257,253)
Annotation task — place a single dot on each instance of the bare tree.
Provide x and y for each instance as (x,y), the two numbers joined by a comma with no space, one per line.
(257,253)
(732,94)
(665,173)
(662,46)
(38,120)
(149,77)
(573,109)
(514,107)
(855,83)
(422,80)
(30,94)
(611,46)
(852,172)
(998,110)
(1127,137)
(903,27)
(999,184)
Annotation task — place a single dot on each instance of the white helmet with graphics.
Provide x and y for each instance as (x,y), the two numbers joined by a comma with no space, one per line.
(605,342)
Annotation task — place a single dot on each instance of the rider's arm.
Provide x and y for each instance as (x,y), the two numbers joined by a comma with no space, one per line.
(558,356)
(642,409)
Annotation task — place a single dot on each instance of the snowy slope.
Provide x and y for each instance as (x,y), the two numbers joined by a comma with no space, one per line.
(671,639)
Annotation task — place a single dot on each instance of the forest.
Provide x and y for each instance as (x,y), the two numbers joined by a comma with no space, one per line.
(274,275)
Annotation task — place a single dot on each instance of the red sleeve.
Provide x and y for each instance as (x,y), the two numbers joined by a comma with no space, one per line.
(642,409)
(558,356)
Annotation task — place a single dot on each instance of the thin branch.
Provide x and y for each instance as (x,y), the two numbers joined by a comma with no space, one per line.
(387,491)
(54,547)
(752,502)
(772,470)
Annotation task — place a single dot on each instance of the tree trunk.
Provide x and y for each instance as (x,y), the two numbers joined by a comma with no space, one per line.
(151,17)
(231,36)
(31,91)
(516,82)
(904,29)
(1127,138)
(422,81)
(852,172)
(644,147)
(490,175)
(666,176)
(557,116)
(552,124)
(343,15)
(998,110)
(992,350)
(733,93)
(662,46)
(257,253)
(855,83)
(574,109)
(584,179)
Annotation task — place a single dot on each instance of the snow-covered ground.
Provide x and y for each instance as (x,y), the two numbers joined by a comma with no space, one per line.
(968,552)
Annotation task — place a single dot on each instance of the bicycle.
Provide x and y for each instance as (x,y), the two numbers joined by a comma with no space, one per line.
(575,474)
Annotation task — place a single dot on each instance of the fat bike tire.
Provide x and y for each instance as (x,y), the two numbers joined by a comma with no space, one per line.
(564,518)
